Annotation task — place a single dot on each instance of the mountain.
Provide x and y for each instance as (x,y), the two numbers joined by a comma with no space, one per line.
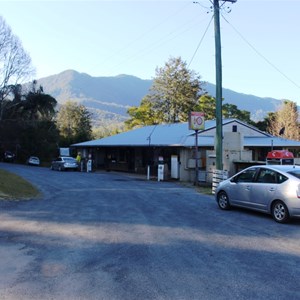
(108,98)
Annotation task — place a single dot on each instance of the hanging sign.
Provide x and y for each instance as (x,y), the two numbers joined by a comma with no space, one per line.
(196,121)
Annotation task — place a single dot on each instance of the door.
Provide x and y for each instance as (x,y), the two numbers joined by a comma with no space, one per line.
(241,186)
(174,167)
(264,189)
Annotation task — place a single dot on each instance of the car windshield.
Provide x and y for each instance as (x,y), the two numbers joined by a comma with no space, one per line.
(69,159)
(295,173)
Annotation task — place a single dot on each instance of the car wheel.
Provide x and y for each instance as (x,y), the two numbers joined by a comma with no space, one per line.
(59,168)
(223,200)
(280,212)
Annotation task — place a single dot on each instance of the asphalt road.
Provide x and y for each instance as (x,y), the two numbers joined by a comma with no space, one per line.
(117,236)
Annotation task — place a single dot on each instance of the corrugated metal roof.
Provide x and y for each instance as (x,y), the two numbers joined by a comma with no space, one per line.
(178,134)
(269,142)
(156,135)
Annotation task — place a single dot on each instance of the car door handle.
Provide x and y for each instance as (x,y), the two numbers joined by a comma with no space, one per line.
(248,187)
(271,189)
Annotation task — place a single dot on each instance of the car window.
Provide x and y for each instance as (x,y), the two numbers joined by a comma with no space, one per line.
(246,176)
(281,178)
(295,173)
(267,176)
(69,159)
(270,176)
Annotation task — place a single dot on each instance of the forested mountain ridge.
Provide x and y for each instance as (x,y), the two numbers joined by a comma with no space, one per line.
(110,97)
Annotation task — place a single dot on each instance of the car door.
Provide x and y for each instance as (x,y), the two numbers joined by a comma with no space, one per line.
(240,189)
(264,189)
(57,163)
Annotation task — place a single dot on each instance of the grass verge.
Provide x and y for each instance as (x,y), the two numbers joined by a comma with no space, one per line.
(201,188)
(14,187)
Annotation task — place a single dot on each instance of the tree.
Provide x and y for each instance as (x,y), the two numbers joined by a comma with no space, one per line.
(39,138)
(37,105)
(174,92)
(29,121)
(33,105)
(74,123)
(231,111)
(265,123)
(15,63)
(143,115)
(207,104)
(284,122)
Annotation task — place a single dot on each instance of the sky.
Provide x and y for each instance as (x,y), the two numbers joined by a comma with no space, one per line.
(260,40)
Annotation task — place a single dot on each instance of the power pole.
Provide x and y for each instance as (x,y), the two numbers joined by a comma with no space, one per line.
(219,122)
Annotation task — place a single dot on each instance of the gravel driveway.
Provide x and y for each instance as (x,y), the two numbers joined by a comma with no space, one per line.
(116,236)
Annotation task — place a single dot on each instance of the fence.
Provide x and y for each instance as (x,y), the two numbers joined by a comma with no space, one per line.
(218,176)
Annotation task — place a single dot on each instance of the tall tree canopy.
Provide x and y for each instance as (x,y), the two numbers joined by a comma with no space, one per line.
(74,123)
(285,122)
(174,92)
(27,125)
(15,62)
(143,115)
(33,105)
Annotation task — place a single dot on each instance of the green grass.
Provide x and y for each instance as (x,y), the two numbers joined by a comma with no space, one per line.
(14,187)
(204,190)
(201,188)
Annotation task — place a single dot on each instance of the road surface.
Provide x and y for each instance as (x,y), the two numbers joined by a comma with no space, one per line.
(117,236)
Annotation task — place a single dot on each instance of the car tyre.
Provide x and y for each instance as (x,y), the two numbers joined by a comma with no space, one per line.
(223,200)
(280,212)
(59,168)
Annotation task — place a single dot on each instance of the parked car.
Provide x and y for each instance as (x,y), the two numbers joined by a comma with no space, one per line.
(64,163)
(33,160)
(8,156)
(272,189)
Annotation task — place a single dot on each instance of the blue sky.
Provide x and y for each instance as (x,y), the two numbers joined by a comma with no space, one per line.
(260,40)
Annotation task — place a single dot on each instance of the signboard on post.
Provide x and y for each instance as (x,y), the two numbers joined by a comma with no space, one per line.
(196,121)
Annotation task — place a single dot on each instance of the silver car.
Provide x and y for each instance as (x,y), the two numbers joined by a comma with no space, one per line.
(272,189)
(64,163)
(33,161)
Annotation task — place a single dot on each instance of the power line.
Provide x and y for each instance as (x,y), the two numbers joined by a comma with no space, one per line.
(201,40)
(163,40)
(144,34)
(261,55)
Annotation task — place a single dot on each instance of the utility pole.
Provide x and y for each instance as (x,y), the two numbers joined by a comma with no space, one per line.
(219,122)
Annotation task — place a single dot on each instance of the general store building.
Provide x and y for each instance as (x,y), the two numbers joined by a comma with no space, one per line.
(173,145)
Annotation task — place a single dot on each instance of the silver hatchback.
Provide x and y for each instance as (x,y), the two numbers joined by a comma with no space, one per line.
(64,163)
(272,189)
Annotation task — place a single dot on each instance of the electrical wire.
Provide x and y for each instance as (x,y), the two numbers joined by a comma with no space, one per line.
(201,41)
(144,34)
(262,56)
(163,40)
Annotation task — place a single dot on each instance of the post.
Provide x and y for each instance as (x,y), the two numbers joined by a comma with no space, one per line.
(148,166)
(196,159)
(219,122)
(219,133)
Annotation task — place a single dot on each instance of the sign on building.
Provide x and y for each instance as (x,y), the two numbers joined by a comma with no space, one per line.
(196,121)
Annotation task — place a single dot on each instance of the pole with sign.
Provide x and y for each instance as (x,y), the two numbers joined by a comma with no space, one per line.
(196,122)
